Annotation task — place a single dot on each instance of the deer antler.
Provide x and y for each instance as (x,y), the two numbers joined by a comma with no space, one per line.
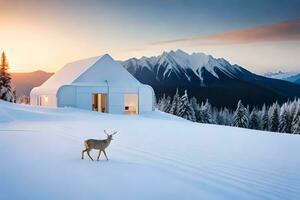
(114,133)
(105,132)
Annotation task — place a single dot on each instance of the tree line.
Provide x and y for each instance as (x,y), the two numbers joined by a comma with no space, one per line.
(6,91)
(283,118)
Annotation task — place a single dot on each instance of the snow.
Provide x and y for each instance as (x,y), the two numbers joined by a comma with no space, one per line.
(107,69)
(148,62)
(198,61)
(153,156)
(66,75)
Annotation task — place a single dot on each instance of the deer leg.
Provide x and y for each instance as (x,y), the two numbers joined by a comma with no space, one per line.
(88,153)
(105,154)
(99,155)
(83,153)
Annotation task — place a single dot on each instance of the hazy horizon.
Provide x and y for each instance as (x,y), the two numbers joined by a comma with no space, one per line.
(275,69)
(261,36)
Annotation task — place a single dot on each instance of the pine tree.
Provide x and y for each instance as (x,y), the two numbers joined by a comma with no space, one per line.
(164,104)
(185,110)
(205,115)
(296,126)
(285,122)
(254,122)
(215,116)
(160,102)
(218,117)
(248,112)
(195,107)
(199,114)
(240,116)
(209,112)
(194,104)
(264,119)
(227,116)
(168,104)
(292,108)
(6,92)
(296,121)
(175,104)
(274,117)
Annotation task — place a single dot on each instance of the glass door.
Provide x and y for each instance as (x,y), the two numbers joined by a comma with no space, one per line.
(99,102)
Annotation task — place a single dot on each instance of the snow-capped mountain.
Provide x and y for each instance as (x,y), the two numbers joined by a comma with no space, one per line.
(207,77)
(178,65)
(293,77)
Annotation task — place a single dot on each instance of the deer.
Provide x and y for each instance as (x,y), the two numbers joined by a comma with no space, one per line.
(100,145)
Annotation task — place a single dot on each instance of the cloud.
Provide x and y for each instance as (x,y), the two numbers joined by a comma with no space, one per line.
(283,31)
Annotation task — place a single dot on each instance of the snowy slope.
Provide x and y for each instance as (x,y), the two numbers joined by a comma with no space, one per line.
(154,156)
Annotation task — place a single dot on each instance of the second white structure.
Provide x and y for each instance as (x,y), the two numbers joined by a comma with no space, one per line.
(99,84)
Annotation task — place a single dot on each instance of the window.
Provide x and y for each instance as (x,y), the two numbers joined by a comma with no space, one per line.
(131,104)
(43,100)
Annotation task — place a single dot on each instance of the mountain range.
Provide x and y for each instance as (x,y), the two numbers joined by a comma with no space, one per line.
(206,77)
(24,82)
(203,76)
(293,77)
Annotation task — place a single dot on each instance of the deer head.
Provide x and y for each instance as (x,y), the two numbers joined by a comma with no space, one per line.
(109,136)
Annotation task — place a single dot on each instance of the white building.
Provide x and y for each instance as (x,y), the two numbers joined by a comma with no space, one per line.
(99,84)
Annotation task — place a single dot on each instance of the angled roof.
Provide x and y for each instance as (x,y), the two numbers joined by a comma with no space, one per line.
(90,71)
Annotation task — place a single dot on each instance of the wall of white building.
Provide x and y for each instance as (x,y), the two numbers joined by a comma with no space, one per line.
(81,97)
(48,100)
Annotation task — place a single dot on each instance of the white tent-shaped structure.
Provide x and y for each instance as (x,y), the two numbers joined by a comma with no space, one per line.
(99,84)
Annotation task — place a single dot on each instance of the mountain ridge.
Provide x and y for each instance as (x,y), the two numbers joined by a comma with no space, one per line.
(23,82)
(181,61)
(203,75)
(293,77)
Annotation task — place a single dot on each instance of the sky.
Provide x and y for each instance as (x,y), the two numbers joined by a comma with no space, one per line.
(260,35)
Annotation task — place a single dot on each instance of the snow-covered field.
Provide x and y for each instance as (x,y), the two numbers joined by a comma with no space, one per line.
(154,156)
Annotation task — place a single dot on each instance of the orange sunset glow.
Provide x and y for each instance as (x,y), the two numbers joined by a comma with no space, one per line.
(45,35)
